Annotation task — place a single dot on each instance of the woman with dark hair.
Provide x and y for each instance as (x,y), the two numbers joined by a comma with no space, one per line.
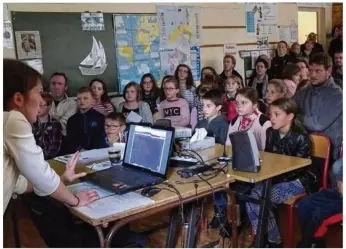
(211,71)
(25,170)
(149,91)
(100,93)
(336,43)
(259,79)
(187,87)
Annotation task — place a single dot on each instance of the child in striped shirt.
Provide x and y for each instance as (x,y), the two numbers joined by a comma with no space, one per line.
(100,93)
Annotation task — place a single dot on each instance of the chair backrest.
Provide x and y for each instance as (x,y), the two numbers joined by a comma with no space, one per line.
(163,123)
(321,148)
(341,150)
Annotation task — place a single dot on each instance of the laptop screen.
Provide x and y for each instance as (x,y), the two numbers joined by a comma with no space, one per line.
(148,148)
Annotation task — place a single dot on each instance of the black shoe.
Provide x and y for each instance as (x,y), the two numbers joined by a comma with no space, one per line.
(218,219)
(274,244)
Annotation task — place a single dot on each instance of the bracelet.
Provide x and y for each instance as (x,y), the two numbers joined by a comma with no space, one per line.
(77,202)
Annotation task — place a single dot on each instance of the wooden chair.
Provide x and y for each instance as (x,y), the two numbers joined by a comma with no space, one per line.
(321,149)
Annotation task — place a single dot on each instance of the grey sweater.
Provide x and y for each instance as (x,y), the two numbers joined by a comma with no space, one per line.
(144,111)
(321,107)
(218,128)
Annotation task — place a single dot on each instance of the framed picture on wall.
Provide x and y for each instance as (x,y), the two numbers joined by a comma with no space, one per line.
(28,45)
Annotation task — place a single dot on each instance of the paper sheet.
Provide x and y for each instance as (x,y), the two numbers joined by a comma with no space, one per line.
(8,35)
(133,117)
(35,64)
(100,166)
(86,156)
(109,205)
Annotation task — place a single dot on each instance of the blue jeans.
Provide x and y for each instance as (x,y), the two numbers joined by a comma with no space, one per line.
(314,209)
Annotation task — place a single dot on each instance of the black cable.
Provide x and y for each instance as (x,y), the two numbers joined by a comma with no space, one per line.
(182,209)
(199,156)
(212,190)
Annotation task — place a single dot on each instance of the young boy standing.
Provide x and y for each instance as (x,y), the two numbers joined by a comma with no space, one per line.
(47,130)
(85,129)
(215,123)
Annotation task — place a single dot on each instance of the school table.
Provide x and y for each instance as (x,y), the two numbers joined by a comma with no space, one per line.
(272,165)
(164,200)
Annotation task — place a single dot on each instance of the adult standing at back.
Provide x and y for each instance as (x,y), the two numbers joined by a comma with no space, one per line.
(336,43)
(25,169)
(229,63)
(321,103)
(280,61)
(63,107)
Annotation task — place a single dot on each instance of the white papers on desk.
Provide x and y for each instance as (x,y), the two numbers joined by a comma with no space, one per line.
(86,156)
(100,166)
(133,118)
(110,205)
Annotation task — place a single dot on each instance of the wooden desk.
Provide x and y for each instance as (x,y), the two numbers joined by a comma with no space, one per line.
(272,165)
(164,200)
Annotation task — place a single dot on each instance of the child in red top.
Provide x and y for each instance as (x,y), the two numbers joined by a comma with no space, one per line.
(232,84)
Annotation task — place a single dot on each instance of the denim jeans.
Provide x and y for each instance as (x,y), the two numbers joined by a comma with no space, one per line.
(313,210)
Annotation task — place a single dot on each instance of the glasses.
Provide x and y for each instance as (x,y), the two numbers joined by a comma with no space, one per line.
(169,89)
(183,71)
(147,82)
(112,127)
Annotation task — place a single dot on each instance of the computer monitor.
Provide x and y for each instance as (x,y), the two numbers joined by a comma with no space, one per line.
(148,148)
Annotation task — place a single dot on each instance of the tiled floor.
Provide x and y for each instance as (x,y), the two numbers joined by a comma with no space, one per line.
(30,237)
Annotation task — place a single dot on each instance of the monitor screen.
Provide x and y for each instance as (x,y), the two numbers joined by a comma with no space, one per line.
(148,148)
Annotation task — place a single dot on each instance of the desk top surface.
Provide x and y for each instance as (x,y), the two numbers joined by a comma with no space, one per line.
(272,165)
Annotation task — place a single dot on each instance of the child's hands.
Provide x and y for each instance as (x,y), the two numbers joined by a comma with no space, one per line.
(339,186)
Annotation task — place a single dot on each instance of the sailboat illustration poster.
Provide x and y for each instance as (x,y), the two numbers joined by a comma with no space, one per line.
(95,62)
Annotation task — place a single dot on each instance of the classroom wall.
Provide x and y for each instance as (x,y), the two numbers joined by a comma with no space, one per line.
(212,14)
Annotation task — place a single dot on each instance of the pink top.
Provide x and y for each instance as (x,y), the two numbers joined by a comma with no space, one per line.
(291,87)
(177,111)
(259,127)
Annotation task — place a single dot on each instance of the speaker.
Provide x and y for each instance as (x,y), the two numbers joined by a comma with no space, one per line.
(245,156)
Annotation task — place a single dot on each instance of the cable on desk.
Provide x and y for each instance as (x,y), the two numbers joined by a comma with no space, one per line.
(212,189)
(176,191)
(199,156)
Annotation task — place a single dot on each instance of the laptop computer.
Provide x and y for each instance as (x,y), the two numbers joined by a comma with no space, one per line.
(145,160)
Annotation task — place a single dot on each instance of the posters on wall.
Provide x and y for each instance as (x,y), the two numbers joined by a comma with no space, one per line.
(261,19)
(179,27)
(35,64)
(28,44)
(137,47)
(171,58)
(92,21)
(230,48)
(289,33)
(315,5)
(195,64)
(8,35)
(262,42)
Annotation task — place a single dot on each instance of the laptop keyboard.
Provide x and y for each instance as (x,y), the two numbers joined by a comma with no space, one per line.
(131,176)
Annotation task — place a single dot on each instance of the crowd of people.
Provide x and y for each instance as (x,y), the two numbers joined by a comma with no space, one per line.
(296,93)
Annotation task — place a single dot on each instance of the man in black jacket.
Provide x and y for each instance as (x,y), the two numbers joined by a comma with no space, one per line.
(280,61)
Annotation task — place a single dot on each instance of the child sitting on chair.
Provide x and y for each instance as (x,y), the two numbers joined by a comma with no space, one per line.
(85,129)
(287,136)
(215,122)
(115,125)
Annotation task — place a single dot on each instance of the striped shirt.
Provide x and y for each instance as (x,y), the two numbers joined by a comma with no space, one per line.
(190,95)
(104,108)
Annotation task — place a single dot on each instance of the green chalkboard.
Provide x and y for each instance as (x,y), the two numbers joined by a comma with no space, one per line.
(65,45)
